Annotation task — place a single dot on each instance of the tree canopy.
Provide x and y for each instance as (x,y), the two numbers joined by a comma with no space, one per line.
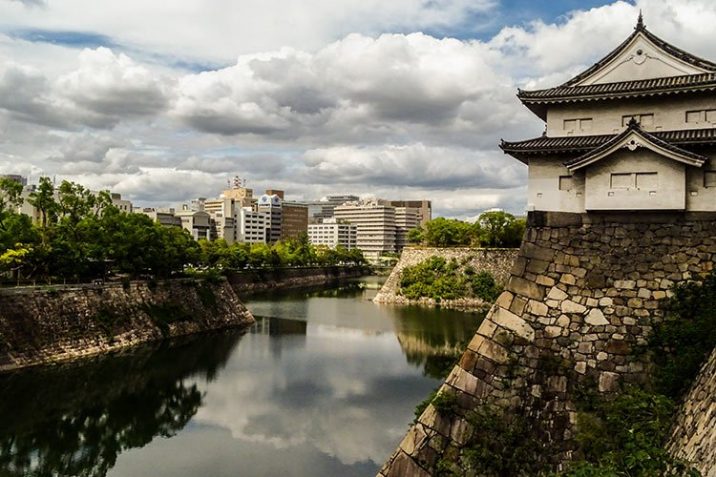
(491,229)
(80,235)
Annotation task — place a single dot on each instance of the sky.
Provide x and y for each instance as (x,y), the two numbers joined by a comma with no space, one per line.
(406,99)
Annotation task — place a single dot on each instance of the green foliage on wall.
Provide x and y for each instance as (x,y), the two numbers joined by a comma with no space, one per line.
(687,336)
(443,279)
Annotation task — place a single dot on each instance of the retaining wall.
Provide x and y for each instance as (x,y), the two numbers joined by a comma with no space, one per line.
(582,297)
(496,261)
(693,438)
(41,326)
(250,281)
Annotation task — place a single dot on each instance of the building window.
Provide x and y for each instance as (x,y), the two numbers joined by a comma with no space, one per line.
(693,116)
(622,181)
(709,178)
(646,119)
(566,182)
(579,124)
(702,116)
(646,180)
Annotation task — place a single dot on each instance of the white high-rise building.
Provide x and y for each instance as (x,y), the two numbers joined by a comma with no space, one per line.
(375,226)
(332,233)
(253,225)
(406,218)
(224,215)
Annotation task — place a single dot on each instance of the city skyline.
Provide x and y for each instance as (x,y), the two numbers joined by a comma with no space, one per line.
(145,105)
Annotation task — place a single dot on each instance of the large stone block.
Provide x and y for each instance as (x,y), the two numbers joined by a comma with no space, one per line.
(526,288)
(514,323)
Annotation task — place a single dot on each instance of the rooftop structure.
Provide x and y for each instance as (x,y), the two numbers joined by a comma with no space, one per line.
(633,132)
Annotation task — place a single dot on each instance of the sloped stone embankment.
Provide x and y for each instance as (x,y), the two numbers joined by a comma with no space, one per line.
(41,326)
(497,261)
(582,297)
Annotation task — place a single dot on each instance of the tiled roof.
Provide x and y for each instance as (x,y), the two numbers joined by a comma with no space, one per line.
(575,144)
(535,100)
(664,45)
(652,138)
(647,87)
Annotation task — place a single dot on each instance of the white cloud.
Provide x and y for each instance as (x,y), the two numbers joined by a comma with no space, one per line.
(218,30)
(397,115)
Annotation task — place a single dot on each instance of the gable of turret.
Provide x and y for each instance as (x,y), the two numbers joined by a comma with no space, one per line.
(640,59)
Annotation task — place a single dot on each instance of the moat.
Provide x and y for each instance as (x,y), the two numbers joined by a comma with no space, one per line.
(325,383)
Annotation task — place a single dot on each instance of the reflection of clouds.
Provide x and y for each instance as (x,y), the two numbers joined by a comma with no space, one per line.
(346,393)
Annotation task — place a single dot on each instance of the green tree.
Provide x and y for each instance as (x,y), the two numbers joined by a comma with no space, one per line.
(442,232)
(499,229)
(43,199)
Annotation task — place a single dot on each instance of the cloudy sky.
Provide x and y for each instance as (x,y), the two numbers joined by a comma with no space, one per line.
(164,101)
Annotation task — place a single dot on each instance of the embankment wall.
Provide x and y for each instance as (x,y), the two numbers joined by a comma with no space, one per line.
(496,261)
(693,438)
(250,281)
(53,324)
(583,296)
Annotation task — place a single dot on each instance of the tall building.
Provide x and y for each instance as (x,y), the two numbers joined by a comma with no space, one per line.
(318,210)
(634,132)
(406,218)
(163,217)
(253,226)
(239,192)
(332,233)
(121,204)
(224,219)
(271,206)
(294,220)
(375,226)
(424,208)
(196,222)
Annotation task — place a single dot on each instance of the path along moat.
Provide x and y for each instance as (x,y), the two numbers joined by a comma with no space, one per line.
(324,384)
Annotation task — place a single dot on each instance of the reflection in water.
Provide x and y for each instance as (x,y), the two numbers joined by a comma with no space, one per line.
(324,384)
(75,420)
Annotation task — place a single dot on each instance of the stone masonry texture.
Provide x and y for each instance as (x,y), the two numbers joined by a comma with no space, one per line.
(583,296)
(694,435)
(497,261)
(42,326)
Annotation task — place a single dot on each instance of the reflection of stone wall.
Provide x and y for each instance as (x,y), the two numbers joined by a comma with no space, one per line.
(583,295)
(39,326)
(496,261)
(694,436)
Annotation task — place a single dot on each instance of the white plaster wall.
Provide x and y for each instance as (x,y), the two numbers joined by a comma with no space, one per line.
(670,193)
(543,187)
(669,114)
(698,197)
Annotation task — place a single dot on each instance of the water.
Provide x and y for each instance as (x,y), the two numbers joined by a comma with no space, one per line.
(325,384)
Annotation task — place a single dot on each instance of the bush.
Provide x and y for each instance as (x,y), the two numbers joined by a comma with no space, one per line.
(626,436)
(484,286)
(683,341)
(440,279)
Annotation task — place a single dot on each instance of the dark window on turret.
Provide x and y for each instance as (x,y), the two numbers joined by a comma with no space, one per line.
(566,182)
(709,178)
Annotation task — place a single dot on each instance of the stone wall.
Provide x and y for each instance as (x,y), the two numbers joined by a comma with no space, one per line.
(583,295)
(52,324)
(494,260)
(694,435)
(250,281)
